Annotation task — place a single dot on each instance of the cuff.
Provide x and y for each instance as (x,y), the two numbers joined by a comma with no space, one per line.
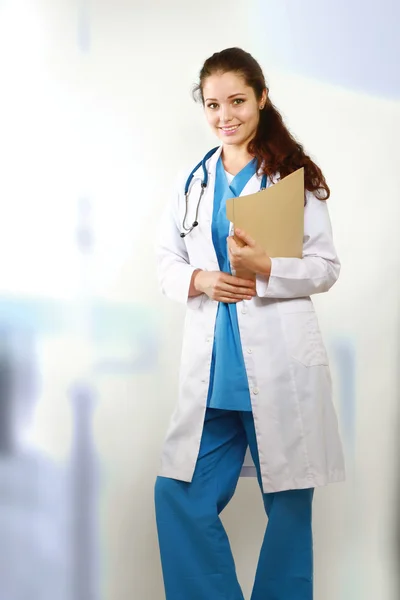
(195,302)
(263,281)
(261,285)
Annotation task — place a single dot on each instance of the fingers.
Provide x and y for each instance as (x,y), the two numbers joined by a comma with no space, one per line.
(237,281)
(247,283)
(229,290)
(233,250)
(235,296)
(244,292)
(242,235)
(229,297)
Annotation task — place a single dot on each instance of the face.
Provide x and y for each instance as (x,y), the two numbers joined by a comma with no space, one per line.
(231,108)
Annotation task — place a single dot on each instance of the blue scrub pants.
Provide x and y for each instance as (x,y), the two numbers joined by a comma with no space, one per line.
(196,557)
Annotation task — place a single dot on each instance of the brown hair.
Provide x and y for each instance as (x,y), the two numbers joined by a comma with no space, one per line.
(274,147)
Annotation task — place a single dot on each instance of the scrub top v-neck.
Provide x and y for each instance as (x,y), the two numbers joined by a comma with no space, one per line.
(229,388)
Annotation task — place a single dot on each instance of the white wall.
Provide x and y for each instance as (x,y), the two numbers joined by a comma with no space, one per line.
(91,118)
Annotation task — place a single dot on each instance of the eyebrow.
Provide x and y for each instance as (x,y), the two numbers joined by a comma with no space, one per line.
(229,97)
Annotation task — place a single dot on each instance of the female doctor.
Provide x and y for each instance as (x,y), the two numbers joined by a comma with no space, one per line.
(254,370)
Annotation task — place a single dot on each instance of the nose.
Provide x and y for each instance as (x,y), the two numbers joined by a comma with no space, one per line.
(226,114)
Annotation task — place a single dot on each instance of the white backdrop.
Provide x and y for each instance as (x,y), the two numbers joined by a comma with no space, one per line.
(98,95)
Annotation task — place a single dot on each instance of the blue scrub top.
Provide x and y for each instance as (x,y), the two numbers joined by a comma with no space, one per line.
(229,387)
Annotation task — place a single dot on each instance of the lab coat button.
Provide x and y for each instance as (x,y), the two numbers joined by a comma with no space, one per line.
(244,309)
(249,351)
(255,391)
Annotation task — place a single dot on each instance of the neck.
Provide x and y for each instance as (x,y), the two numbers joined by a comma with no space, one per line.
(235,158)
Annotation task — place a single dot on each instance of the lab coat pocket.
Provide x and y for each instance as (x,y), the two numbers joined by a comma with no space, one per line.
(303,338)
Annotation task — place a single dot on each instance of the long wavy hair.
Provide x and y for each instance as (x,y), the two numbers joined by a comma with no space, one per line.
(274,147)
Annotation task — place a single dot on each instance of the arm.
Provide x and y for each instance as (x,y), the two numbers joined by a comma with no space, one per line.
(185,283)
(319,268)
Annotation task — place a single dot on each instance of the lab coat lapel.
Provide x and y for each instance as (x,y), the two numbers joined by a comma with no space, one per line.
(209,193)
(202,235)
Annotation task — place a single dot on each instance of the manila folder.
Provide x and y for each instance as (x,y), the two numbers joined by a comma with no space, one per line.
(273,217)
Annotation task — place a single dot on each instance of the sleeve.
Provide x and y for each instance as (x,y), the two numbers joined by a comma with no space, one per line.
(319,268)
(174,270)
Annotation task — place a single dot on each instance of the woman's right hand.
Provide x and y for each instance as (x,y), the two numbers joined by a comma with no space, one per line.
(224,287)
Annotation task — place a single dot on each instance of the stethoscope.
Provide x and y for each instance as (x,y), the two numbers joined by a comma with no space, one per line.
(204,183)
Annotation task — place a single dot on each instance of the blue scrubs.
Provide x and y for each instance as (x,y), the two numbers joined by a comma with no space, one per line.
(229,387)
(196,558)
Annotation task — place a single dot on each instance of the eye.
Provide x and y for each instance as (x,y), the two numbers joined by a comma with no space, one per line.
(212,105)
(238,101)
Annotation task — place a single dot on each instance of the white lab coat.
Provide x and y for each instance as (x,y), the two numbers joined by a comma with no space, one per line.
(285,358)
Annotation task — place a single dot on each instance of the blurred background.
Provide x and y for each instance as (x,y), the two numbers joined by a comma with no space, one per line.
(96,120)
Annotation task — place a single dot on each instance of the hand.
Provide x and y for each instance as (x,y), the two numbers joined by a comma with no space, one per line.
(223,287)
(250,257)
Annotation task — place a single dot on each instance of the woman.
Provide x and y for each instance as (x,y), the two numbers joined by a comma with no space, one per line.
(254,369)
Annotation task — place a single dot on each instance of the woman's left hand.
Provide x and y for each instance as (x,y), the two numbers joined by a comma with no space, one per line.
(250,257)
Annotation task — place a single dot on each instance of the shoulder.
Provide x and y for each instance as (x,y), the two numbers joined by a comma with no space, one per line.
(313,201)
(184,174)
(316,215)
(194,167)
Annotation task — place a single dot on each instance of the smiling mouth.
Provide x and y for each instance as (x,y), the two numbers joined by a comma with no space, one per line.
(230,129)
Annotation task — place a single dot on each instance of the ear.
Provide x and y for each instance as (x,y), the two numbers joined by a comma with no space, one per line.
(264,99)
